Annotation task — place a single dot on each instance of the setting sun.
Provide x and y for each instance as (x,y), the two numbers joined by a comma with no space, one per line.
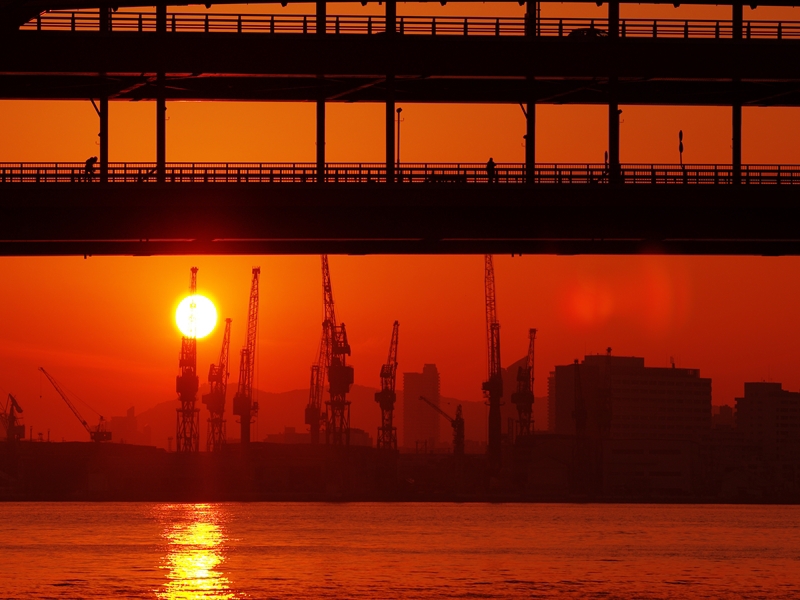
(202,322)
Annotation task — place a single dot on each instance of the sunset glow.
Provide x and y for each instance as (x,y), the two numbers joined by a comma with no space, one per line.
(196,315)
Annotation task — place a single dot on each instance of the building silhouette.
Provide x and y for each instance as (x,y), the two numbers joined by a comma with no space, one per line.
(644,402)
(768,417)
(421,423)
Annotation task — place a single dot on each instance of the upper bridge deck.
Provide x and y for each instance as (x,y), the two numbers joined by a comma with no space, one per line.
(344,24)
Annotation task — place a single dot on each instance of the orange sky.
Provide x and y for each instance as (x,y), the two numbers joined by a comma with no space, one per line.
(104,326)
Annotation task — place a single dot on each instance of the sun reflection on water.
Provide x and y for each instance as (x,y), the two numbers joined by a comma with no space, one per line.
(195,538)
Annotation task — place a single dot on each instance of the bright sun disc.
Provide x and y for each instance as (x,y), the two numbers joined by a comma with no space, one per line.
(205,316)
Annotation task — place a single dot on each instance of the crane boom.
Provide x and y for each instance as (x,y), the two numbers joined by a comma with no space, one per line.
(243,405)
(437,409)
(99,433)
(457,423)
(386,397)
(493,386)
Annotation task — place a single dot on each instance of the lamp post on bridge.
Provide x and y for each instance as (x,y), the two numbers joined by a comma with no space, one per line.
(399,174)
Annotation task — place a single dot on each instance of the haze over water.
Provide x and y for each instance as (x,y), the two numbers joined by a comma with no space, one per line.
(294,550)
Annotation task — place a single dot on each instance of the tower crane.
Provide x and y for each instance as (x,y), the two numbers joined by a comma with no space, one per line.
(187,437)
(523,397)
(314,415)
(340,375)
(243,405)
(12,424)
(96,434)
(493,386)
(319,370)
(456,423)
(387,432)
(215,399)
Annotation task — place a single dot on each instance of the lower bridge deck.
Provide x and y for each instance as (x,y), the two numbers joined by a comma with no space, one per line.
(240,217)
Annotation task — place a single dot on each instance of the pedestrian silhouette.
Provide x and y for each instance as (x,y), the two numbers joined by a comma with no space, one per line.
(490,171)
(89,169)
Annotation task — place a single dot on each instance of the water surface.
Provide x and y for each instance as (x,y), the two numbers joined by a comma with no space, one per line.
(297,550)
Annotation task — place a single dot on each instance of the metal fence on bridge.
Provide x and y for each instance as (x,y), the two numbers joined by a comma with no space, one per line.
(125,20)
(408,173)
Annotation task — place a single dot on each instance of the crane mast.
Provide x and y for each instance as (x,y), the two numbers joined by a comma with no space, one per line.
(493,386)
(187,437)
(523,397)
(386,397)
(314,415)
(340,375)
(243,405)
(456,423)
(215,399)
(96,434)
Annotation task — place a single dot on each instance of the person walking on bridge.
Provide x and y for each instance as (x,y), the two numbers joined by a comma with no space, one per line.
(88,170)
(490,171)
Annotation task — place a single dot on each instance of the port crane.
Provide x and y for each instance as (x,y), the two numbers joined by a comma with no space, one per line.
(215,399)
(187,437)
(493,386)
(315,418)
(457,423)
(11,423)
(314,415)
(340,375)
(523,397)
(99,432)
(243,404)
(386,397)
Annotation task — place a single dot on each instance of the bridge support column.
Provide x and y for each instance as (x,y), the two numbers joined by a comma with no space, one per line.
(613,132)
(161,130)
(161,105)
(736,108)
(322,17)
(161,18)
(391,30)
(390,116)
(320,141)
(391,16)
(104,137)
(321,27)
(613,104)
(105,26)
(736,145)
(530,110)
(530,138)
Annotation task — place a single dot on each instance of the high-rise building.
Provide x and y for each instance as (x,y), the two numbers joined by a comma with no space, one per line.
(551,401)
(769,417)
(631,400)
(420,422)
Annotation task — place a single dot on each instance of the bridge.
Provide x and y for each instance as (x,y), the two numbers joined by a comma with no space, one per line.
(71,49)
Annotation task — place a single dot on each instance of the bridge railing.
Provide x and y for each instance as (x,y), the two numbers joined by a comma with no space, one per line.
(414,173)
(411,25)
